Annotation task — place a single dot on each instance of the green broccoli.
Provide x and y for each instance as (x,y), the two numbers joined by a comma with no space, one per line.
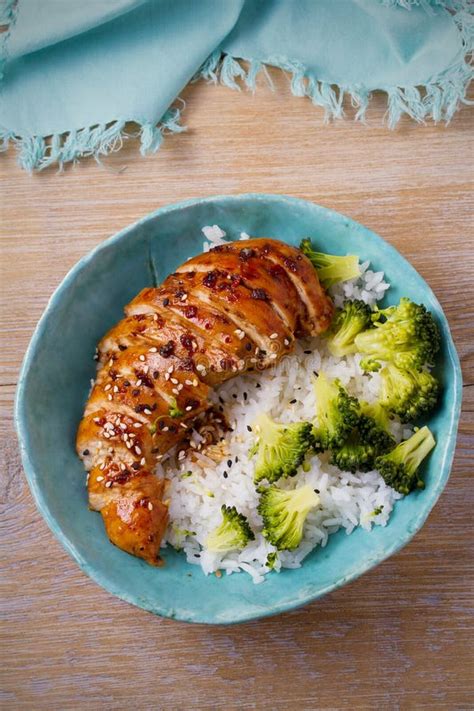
(406,335)
(337,413)
(284,513)
(354,317)
(370,438)
(280,448)
(408,393)
(399,468)
(232,534)
(271,560)
(331,268)
(174,410)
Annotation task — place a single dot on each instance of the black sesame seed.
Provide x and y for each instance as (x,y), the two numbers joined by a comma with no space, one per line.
(122,347)
(197,555)
(315,373)
(229,462)
(308,352)
(234,395)
(221,400)
(292,402)
(249,428)
(245,396)
(136,466)
(166,302)
(225,475)
(236,460)
(316,491)
(258,386)
(221,409)
(86,452)
(248,346)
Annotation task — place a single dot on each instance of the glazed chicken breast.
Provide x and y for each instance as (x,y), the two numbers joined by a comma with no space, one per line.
(236,308)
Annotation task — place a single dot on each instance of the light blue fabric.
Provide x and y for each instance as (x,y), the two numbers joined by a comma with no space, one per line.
(78,71)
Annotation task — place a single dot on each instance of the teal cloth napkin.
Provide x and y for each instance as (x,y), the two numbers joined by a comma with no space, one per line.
(74,73)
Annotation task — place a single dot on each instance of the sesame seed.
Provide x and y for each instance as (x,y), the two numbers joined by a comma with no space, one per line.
(129,444)
(100,478)
(175,391)
(182,454)
(249,428)
(193,444)
(138,450)
(174,381)
(165,429)
(96,419)
(180,387)
(122,466)
(107,387)
(189,408)
(167,376)
(150,506)
(132,435)
(170,369)
(143,461)
(111,362)
(292,402)
(108,484)
(229,463)
(241,364)
(116,389)
(195,383)
(183,425)
(225,475)
(138,383)
(188,382)
(273,336)
(109,397)
(146,369)
(200,367)
(147,411)
(286,342)
(137,424)
(141,357)
(155,317)
(272,356)
(123,426)
(307,352)
(184,297)
(102,466)
(154,349)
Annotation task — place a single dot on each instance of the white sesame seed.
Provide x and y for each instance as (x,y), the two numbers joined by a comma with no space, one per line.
(253,360)
(124,437)
(138,383)
(146,369)
(109,397)
(137,425)
(184,297)
(154,349)
(165,429)
(147,411)
(175,391)
(107,387)
(116,389)
(179,387)
(129,444)
(122,466)
(143,461)
(183,425)
(170,369)
(200,367)
(195,383)
(174,381)
(99,478)
(123,426)
(96,419)
(241,364)
(108,484)
(167,376)
(138,450)
(272,356)
(274,335)
(141,357)
(111,362)
(257,350)
(188,382)
(106,435)
(286,342)
(193,444)
(150,506)
(155,317)
(189,408)
(182,454)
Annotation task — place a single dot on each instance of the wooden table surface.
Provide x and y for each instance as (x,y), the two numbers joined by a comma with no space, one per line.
(398,638)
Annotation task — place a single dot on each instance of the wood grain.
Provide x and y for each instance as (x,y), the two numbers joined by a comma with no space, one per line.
(400,637)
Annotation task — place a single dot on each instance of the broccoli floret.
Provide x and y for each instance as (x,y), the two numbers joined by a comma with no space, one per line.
(408,393)
(374,426)
(370,438)
(336,411)
(232,534)
(405,335)
(284,514)
(399,467)
(271,560)
(280,448)
(354,317)
(331,268)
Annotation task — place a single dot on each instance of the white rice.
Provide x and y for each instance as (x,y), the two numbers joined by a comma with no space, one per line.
(346,500)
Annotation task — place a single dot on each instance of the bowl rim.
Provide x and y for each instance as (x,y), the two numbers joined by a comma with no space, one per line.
(290,604)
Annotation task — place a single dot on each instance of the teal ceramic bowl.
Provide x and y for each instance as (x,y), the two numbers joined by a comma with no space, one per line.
(54,383)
